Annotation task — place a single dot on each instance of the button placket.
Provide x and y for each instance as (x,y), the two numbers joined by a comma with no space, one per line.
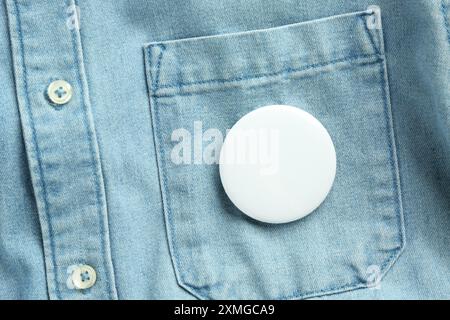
(70,194)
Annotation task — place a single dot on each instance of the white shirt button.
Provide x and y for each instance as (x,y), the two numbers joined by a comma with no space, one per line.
(277,164)
(59,92)
(82,277)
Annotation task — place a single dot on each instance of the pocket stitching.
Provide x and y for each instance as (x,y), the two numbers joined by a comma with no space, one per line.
(289,71)
(377,51)
(157,137)
(369,34)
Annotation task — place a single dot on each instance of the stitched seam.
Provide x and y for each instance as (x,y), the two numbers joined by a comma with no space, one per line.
(170,229)
(444,11)
(90,133)
(389,140)
(306,295)
(269,75)
(262,30)
(158,65)
(370,36)
(311,294)
(38,152)
(322,292)
(281,79)
(171,224)
(385,267)
(393,150)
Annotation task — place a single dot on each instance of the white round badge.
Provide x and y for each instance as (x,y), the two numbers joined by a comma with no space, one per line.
(277,164)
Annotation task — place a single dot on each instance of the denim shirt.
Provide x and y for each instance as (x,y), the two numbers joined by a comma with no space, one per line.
(92,182)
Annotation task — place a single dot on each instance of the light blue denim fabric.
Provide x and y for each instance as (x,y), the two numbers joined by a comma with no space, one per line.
(93,182)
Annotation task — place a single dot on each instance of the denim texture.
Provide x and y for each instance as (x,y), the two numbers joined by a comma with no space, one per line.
(93,182)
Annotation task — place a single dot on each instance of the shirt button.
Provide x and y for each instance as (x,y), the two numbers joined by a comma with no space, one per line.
(59,92)
(83,277)
(277,164)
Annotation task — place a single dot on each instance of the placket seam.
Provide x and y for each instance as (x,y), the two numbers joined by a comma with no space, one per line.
(39,178)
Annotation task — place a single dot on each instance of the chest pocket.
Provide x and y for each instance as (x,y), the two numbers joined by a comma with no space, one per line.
(333,68)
